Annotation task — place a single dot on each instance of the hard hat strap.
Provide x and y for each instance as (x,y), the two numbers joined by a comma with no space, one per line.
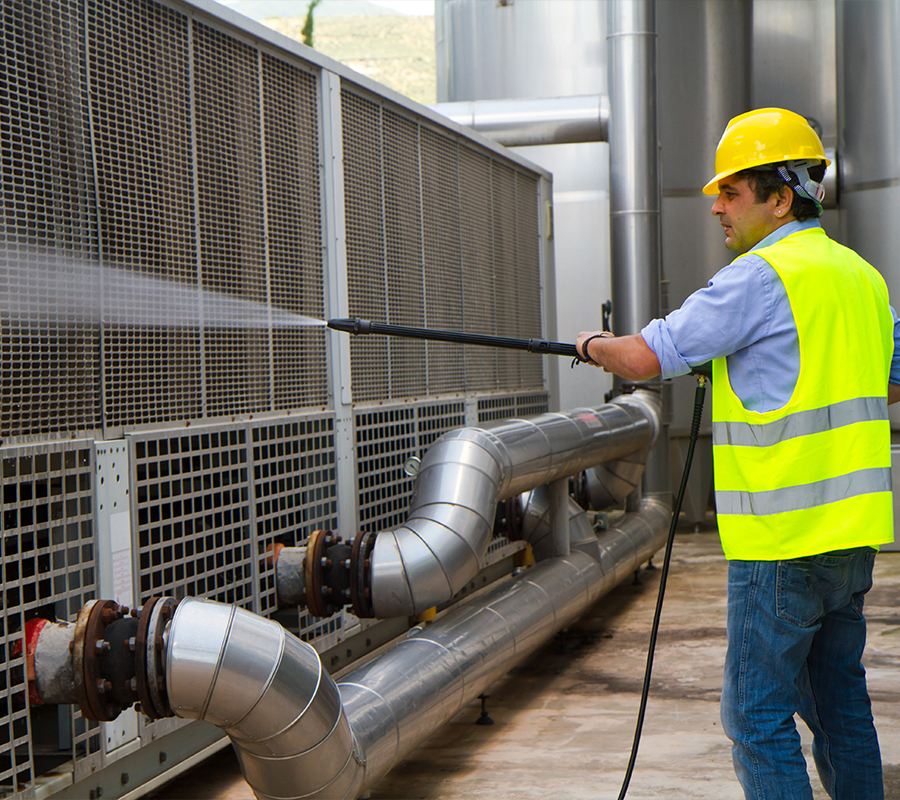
(800,182)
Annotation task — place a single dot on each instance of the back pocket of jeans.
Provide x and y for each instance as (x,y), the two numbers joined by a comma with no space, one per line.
(801,588)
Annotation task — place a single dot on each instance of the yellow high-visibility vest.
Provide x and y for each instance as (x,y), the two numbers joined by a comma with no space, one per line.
(814,475)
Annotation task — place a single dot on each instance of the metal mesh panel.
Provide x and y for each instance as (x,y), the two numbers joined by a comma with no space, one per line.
(491,409)
(192,506)
(49,360)
(294,489)
(435,231)
(385,439)
(477,249)
(229,178)
(443,269)
(503,190)
(530,405)
(528,273)
(295,236)
(403,236)
(49,570)
(140,100)
(364,215)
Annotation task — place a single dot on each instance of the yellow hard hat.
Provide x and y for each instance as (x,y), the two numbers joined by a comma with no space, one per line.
(764,136)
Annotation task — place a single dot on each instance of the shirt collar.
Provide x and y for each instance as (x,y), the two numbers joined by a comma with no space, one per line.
(786,230)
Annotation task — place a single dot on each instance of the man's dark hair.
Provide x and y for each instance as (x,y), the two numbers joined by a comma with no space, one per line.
(765,182)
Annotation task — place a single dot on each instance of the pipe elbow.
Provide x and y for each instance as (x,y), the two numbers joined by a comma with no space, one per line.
(268,691)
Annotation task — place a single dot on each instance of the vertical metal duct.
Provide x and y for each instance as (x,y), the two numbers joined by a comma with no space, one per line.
(634,186)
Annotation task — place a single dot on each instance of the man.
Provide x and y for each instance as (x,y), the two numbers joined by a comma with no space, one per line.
(802,341)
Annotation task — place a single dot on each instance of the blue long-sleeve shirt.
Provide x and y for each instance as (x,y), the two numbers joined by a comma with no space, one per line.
(744,314)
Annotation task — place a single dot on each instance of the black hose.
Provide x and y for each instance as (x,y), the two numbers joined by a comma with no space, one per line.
(699,396)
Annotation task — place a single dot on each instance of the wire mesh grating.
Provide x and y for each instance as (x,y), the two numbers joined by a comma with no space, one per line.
(49,570)
(192,511)
(428,218)
(294,490)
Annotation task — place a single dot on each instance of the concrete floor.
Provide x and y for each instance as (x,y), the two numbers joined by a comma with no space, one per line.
(564,720)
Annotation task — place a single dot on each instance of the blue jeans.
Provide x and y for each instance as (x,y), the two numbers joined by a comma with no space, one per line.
(796,634)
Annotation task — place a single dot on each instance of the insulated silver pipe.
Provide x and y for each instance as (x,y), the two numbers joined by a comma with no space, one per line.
(442,544)
(298,735)
(634,187)
(534,121)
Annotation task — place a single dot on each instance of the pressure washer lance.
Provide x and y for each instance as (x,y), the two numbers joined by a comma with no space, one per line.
(540,346)
(361,326)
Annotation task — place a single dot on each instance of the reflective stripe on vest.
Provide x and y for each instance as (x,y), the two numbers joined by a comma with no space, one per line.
(802,423)
(809,495)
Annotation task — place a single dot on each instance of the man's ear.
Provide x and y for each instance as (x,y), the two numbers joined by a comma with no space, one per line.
(784,197)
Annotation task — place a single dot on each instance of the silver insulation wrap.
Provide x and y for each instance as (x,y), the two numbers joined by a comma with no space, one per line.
(298,735)
(442,544)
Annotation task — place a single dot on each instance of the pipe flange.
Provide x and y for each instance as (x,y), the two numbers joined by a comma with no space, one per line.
(154,652)
(318,593)
(361,574)
(92,688)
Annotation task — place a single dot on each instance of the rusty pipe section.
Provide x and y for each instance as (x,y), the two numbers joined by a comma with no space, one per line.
(442,544)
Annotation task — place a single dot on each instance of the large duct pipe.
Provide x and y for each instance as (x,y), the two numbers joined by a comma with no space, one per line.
(634,187)
(298,735)
(442,544)
(533,121)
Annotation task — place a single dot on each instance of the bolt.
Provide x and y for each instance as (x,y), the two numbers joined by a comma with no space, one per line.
(347,563)
(101,646)
(104,686)
(124,611)
(132,684)
(166,612)
(326,562)
(108,616)
(131,644)
(345,592)
(158,643)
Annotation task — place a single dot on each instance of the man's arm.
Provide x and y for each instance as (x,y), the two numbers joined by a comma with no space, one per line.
(629,357)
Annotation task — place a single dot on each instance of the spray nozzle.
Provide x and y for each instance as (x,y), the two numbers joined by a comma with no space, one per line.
(350,325)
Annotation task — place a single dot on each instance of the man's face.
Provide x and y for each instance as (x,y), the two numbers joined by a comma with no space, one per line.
(746,222)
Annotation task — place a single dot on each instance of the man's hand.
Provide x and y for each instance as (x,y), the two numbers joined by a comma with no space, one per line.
(625,356)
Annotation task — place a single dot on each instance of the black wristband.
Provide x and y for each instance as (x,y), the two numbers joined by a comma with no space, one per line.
(584,346)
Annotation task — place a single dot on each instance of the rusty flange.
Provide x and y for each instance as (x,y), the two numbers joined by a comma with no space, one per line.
(93,688)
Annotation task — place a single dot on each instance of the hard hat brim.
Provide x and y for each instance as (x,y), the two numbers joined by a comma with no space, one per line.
(712,188)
